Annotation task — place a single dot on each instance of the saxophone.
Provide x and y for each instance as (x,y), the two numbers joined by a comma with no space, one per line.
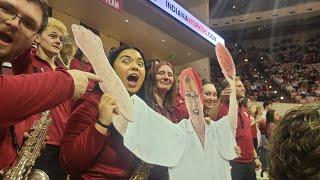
(30,151)
(142,172)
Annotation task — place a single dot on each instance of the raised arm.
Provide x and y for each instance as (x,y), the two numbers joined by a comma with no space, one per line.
(233,107)
(82,142)
(229,71)
(25,95)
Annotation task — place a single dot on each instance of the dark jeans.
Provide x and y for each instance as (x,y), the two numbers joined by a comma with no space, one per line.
(49,162)
(243,171)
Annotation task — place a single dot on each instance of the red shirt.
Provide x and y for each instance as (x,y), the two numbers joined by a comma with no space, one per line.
(270,129)
(24,95)
(85,66)
(253,128)
(59,114)
(88,154)
(82,66)
(180,106)
(243,133)
(262,127)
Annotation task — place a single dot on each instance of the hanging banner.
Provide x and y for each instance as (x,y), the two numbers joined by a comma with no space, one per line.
(186,18)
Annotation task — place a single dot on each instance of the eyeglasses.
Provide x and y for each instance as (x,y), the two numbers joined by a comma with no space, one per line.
(190,97)
(27,25)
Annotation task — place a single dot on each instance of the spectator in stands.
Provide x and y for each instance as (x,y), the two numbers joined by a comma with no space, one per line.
(160,89)
(43,59)
(67,53)
(49,44)
(160,86)
(81,62)
(210,99)
(267,105)
(252,109)
(273,118)
(20,23)
(243,168)
(294,146)
(91,147)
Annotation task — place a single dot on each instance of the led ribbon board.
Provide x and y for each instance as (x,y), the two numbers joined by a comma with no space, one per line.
(186,18)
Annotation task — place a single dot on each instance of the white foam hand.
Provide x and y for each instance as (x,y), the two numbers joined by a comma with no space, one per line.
(92,47)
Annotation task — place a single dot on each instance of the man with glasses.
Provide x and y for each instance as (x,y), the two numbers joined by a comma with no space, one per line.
(45,59)
(21,21)
(23,95)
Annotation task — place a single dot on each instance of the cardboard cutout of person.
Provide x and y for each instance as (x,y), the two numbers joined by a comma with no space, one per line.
(191,149)
(91,45)
(198,151)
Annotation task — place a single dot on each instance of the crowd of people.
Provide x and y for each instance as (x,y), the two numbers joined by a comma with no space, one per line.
(288,71)
(295,68)
(182,128)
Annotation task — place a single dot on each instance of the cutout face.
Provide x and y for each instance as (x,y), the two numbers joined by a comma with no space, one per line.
(129,66)
(192,97)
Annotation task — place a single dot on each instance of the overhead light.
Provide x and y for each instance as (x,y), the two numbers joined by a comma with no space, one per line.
(126,20)
(235,44)
(281,97)
(246,60)
(240,50)
(265,81)
(163,40)
(275,92)
(261,57)
(189,54)
(270,86)
(233,6)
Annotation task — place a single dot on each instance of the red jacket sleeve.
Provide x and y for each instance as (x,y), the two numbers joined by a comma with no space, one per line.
(223,111)
(25,95)
(82,143)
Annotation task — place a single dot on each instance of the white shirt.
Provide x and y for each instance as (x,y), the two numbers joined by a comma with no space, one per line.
(156,140)
(210,162)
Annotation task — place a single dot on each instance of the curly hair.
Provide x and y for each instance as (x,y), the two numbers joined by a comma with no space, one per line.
(294,150)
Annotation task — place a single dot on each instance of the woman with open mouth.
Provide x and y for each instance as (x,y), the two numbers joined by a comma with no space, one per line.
(92,148)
